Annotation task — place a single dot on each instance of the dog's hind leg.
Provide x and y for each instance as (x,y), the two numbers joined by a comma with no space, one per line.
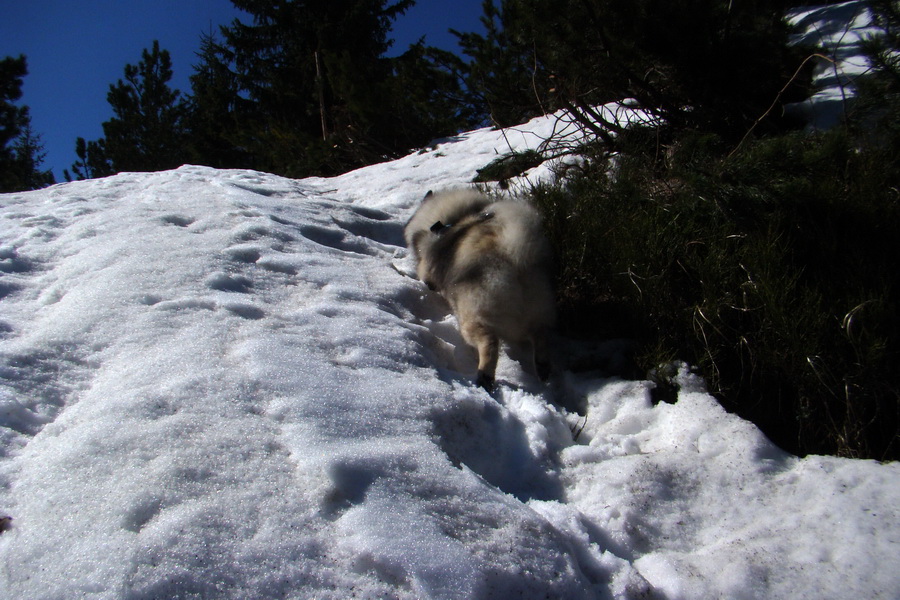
(488,346)
(540,344)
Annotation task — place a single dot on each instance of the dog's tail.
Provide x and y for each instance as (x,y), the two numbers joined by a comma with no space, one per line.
(522,238)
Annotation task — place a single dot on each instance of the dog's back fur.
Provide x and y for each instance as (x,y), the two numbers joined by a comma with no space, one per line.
(491,261)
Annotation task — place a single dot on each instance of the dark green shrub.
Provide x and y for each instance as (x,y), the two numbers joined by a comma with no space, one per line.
(508,166)
(772,270)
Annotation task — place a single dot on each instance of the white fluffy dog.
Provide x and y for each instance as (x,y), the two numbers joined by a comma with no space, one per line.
(492,263)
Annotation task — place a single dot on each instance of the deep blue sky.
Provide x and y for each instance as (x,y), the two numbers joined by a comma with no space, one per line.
(77,48)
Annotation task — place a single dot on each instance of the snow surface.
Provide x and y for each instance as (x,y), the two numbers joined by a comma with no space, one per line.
(227,384)
(838,30)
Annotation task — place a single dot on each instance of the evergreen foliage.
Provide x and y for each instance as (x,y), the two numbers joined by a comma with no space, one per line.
(505,81)
(29,154)
(92,160)
(21,149)
(12,72)
(427,98)
(306,88)
(710,64)
(213,120)
(771,270)
(508,166)
(769,264)
(878,108)
(148,131)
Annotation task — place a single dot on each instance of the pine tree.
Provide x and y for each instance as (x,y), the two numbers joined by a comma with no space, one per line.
(875,113)
(213,123)
(711,64)
(427,98)
(92,161)
(148,130)
(21,150)
(880,90)
(312,82)
(12,72)
(30,155)
(306,88)
(503,73)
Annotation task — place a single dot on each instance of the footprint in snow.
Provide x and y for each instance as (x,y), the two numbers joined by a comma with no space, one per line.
(253,231)
(376,229)
(243,254)
(12,262)
(276,265)
(7,289)
(244,310)
(339,239)
(177,220)
(224,282)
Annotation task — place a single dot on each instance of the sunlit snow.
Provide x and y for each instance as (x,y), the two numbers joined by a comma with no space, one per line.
(227,384)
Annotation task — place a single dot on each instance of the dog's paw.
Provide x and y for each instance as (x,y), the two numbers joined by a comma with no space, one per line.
(485,381)
(543,368)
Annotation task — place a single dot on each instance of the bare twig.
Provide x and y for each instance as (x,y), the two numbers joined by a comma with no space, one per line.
(777,98)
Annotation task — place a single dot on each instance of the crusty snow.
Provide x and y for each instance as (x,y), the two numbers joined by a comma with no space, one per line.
(227,384)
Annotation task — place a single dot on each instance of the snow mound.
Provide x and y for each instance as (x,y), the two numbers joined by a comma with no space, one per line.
(226,384)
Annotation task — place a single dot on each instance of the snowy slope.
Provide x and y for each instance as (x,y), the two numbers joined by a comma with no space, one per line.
(225,384)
